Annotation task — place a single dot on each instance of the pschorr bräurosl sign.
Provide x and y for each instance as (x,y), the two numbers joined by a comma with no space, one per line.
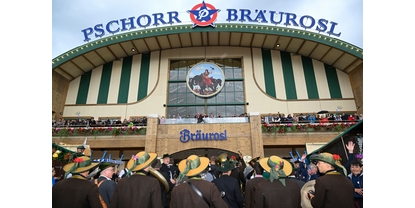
(186,135)
(205,14)
(205,79)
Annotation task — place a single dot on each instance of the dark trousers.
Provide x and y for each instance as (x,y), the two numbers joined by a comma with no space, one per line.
(358,202)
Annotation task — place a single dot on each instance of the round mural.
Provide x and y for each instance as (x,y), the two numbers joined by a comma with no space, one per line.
(205,79)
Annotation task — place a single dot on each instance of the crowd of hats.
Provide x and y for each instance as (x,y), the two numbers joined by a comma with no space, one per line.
(277,167)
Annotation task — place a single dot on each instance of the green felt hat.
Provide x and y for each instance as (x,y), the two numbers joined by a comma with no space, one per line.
(332,159)
(226,166)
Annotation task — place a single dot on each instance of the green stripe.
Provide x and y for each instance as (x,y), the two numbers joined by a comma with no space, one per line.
(333,81)
(104,85)
(125,80)
(310,78)
(288,73)
(83,88)
(268,73)
(144,72)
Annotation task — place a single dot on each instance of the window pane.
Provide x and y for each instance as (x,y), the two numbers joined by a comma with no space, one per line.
(173,74)
(200,99)
(171,111)
(230,111)
(228,73)
(220,97)
(181,98)
(239,97)
(240,109)
(237,73)
(173,88)
(229,86)
(182,73)
(239,86)
(172,99)
(230,97)
(181,87)
(211,109)
(191,99)
(221,110)
(200,109)
(211,99)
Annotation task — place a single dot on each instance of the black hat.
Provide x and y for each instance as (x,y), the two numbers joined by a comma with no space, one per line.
(166,155)
(106,165)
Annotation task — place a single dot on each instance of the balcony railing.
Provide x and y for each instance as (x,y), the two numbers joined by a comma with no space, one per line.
(307,127)
(98,131)
(206,120)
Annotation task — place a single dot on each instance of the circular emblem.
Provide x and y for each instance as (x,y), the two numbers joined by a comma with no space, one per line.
(205,79)
(203,14)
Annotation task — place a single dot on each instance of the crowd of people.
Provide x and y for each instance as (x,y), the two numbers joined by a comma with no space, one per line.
(91,122)
(310,118)
(276,118)
(219,181)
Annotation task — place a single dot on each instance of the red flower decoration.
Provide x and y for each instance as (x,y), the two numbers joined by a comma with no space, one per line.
(78,160)
(233,157)
(337,157)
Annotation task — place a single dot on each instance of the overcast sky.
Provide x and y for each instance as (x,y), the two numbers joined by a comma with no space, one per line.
(69,18)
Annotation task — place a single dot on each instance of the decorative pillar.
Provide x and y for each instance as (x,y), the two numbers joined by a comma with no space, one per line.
(257,145)
(151,133)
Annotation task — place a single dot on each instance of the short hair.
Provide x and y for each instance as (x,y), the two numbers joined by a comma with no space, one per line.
(213,158)
(356,163)
(258,168)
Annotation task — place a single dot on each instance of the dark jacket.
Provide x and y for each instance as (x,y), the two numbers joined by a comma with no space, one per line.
(184,196)
(274,194)
(357,183)
(236,173)
(250,191)
(106,189)
(164,199)
(333,190)
(75,192)
(230,191)
(137,190)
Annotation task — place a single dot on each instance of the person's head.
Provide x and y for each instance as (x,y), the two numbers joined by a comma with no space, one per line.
(213,160)
(326,161)
(356,167)
(107,169)
(156,164)
(313,169)
(226,167)
(140,161)
(278,168)
(53,171)
(80,149)
(192,166)
(166,159)
(80,165)
(258,169)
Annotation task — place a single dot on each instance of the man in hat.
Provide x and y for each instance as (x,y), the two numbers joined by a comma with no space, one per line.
(104,182)
(138,189)
(76,191)
(277,191)
(257,178)
(169,168)
(187,194)
(333,189)
(229,186)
